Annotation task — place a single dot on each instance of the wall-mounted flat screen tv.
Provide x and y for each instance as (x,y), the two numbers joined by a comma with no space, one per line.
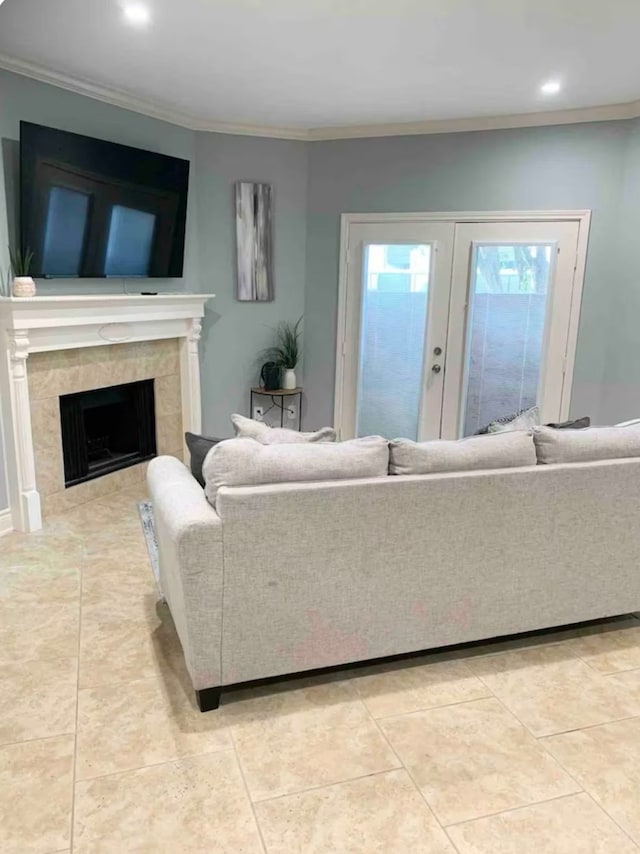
(95,209)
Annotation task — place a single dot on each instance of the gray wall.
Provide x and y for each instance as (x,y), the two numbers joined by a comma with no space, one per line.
(235,332)
(575,166)
(621,288)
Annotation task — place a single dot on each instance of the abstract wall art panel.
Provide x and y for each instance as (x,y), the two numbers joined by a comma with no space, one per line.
(254,239)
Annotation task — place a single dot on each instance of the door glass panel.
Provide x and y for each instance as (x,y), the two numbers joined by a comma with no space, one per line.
(395,289)
(505,336)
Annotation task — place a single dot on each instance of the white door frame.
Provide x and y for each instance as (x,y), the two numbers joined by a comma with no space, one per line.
(582,217)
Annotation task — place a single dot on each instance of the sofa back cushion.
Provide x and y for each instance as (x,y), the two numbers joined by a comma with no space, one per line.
(248,428)
(493,451)
(580,446)
(246,462)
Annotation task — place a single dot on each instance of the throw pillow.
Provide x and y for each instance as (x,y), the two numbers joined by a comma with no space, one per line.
(523,420)
(495,451)
(578,424)
(247,428)
(199,447)
(246,462)
(580,446)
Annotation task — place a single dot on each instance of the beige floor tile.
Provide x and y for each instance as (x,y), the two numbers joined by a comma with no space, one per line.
(112,652)
(605,760)
(551,691)
(382,813)
(125,601)
(473,759)
(193,805)
(396,689)
(38,584)
(47,554)
(287,762)
(105,579)
(121,727)
(38,699)
(48,630)
(122,549)
(564,826)
(35,795)
(609,651)
(293,707)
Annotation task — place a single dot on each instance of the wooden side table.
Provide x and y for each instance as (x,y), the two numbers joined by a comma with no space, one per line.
(278,401)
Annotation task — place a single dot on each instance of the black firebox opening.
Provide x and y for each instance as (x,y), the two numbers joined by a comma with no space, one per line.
(107,429)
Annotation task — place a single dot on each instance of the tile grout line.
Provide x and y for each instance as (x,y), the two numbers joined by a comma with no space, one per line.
(37,738)
(590,795)
(75,739)
(320,786)
(246,788)
(607,813)
(407,771)
(585,728)
(171,761)
(489,696)
(513,809)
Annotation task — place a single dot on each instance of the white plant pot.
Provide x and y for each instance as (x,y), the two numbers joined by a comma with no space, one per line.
(288,378)
(23,286)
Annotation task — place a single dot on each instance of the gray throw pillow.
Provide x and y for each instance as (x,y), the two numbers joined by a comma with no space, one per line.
(245,462)
(580,446)
(199,447)
(494,451)
(578,424)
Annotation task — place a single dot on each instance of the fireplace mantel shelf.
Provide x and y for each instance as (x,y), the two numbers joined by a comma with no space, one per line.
(87,320)
(43,323)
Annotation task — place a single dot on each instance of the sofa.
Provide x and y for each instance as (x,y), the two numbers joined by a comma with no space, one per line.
(288,577)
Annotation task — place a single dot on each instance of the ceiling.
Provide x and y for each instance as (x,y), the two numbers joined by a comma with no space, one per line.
(288,66)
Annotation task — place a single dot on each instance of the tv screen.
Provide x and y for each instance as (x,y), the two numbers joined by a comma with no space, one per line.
(91,208)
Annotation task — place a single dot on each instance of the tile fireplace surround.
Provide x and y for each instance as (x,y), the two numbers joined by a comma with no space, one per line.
(58,345)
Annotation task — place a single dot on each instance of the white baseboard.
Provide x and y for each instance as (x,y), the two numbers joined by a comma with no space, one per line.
(6,522)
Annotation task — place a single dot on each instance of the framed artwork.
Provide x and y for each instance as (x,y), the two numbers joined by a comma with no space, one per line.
(254,242)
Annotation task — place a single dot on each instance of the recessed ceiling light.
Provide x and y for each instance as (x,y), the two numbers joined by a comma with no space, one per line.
(136,13)
(551,87)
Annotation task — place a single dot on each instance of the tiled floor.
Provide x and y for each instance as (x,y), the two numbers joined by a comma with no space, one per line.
(523,746)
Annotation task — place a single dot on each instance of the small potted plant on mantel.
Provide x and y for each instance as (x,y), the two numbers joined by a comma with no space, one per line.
(286,351)
(22,285)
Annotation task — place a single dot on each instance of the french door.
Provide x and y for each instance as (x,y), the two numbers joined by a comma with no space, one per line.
(448,324)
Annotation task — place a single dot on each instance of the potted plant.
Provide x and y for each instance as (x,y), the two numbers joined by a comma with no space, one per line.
(23,285)
(286,351)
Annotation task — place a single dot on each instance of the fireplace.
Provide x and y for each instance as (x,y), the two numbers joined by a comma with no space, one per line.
(106,429)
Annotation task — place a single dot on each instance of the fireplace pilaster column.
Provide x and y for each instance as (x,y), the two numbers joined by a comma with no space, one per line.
(190,379)
(21,440)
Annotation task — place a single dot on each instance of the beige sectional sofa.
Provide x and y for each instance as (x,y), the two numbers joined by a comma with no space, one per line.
(279,578)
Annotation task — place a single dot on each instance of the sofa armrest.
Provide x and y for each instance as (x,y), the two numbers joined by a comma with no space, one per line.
(189,536)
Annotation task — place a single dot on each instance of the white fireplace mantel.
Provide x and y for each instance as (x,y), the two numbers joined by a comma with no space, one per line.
(38,324)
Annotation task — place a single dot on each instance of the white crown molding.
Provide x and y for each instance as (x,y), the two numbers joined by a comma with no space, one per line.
(607,113)
(128,101)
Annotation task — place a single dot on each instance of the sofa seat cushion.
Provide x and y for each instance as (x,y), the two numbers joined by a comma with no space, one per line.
(493,451)
(248,428)
(246,462)
(581,446)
